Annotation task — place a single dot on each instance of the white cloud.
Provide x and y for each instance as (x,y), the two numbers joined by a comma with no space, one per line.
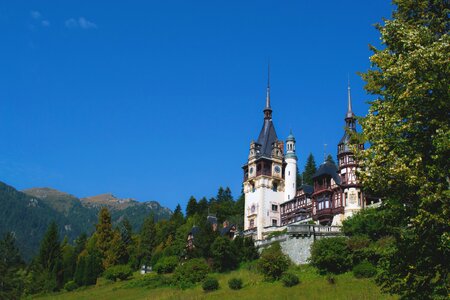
(80,23)
(39,18)
(85,24)
(35,14)
(71,23)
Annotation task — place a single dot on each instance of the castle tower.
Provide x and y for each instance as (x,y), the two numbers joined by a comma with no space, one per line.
(353,199)
(263,177)
(290,176)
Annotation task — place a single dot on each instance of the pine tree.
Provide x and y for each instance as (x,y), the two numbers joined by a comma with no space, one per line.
(408,128)
(191,208)
(50,259)
(117,253)
(202,208)
(126,231)
(177,217)
(69,260)
(50,250)
(104,231)
(330,159)
(310,169)
(147,240)
(10,262)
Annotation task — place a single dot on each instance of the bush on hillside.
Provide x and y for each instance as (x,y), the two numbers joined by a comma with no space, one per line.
(289,279)
(224,254)
(273,262)
(235,283)
(70,286)
(331,255)
(191,272)
(121,272)
(364,270)
(370,222)
(210,284)
(150,281)
(166,264)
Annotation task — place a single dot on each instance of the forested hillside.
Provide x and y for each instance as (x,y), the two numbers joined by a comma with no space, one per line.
(27,214)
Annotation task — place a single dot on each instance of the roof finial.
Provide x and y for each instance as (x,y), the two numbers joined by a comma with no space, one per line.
(349,104)
(267,109)
(268,86)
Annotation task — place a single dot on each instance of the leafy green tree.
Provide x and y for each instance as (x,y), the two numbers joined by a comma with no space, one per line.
(310,169)
(408,128)
(246,250)
(10,263)
(224,254)
(147,240)
(372,222)
(331,255)
(203,240)
(273,262)
(191,208)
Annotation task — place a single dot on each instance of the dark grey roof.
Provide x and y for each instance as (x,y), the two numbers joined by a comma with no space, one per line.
(211,219)
(307,189)
(328,168)
(194,230)
(226,230)
(266,138)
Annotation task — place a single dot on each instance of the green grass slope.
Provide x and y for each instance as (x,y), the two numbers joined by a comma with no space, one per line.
(312,286)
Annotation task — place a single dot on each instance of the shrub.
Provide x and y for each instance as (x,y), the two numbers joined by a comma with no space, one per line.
(70,286)
(273,263)
(121,272)
(235,283)
(191,272)
(151,281)
(370,222)
(246,249)
(224,254)
(364,270)
(331,279)
(289,279)
(331,255)
(166,264)
(210,284)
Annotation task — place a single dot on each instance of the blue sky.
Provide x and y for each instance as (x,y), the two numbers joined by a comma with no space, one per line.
(159,100)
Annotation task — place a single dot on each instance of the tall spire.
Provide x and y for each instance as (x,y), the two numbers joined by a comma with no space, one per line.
(268,87)
(268,109)
(349,104)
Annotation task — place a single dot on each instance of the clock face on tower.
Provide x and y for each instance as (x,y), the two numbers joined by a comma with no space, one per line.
(277,169)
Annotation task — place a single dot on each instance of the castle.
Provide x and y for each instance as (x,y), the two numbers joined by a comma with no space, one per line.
(272,198)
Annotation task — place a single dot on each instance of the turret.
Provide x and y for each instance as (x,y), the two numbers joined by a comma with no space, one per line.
(291,169)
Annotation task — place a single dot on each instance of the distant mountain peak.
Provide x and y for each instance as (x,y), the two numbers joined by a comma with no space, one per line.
(46,192)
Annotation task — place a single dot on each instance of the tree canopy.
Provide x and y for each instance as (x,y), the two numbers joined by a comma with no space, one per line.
(408,129)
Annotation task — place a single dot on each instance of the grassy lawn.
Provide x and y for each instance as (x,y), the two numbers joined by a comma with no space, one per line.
(312,286)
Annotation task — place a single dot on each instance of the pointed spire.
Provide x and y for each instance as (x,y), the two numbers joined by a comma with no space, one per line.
(268,109)
(349,104)
(268,87)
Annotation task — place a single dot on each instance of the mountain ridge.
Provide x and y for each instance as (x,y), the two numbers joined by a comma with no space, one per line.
(27,214)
